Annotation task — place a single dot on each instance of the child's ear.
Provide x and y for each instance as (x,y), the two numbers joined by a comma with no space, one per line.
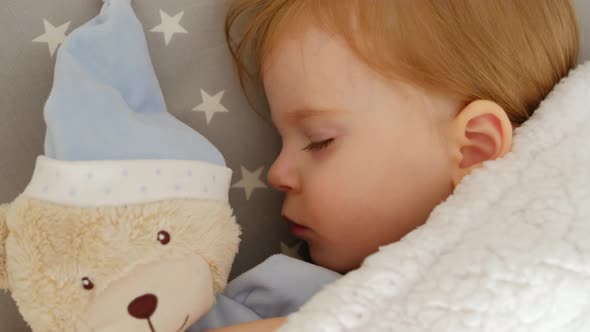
(480,132)
(3,236)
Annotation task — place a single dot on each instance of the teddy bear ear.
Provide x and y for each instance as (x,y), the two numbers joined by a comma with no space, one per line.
(3,236)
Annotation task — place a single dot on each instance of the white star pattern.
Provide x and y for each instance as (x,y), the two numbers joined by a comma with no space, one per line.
(291,251)
(250,181)
(53,36)
(211,104)
(169,26)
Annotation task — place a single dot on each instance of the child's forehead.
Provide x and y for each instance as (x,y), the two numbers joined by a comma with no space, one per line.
(315,62)
(311,50)
(317,73)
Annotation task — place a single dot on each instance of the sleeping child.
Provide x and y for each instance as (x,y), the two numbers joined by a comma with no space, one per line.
(384,107)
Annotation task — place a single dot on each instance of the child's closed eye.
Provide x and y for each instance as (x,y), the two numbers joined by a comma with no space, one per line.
(316,146)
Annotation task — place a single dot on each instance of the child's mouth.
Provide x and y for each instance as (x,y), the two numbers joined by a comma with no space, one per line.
(295,228)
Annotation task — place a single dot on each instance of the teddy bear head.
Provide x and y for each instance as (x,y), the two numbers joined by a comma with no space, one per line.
(144,267)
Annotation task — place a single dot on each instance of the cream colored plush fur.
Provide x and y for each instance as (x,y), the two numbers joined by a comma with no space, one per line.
(47,249)
(3,235)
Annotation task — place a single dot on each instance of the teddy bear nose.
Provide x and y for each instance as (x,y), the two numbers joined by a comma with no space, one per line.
(143,307)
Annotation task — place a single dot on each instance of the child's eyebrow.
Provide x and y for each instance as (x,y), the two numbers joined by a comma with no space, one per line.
(305,113)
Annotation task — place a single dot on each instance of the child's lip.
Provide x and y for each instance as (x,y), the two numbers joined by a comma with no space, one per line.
(295,228)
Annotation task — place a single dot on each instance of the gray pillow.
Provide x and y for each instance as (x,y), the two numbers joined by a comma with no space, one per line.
(583,11)
(201,89)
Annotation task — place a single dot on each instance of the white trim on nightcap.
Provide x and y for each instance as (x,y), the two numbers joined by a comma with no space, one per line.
(118,182)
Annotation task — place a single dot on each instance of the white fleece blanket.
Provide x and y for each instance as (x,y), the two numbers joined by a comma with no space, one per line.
(509,251)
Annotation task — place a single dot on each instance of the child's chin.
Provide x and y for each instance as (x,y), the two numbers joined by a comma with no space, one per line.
(336,262)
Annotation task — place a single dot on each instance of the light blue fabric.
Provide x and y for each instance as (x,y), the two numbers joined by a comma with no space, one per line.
(106,102)
(275,288)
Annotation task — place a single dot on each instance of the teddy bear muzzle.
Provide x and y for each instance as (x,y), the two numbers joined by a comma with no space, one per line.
(166,296)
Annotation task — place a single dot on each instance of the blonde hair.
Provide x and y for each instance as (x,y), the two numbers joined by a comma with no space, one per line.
(511,52)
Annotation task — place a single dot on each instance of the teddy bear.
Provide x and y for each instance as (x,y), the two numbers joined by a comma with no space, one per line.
(125,224)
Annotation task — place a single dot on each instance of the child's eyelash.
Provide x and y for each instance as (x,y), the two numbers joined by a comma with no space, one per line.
(316,146)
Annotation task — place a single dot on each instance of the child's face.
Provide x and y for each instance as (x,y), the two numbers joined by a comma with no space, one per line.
(363,161)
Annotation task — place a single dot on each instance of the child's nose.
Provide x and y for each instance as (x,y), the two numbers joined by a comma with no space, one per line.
(282,175)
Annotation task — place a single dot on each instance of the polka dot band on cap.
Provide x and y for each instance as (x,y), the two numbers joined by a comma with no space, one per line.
(100,183)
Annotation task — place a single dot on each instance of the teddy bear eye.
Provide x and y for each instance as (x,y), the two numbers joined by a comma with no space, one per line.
(164,237)
(87,283)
